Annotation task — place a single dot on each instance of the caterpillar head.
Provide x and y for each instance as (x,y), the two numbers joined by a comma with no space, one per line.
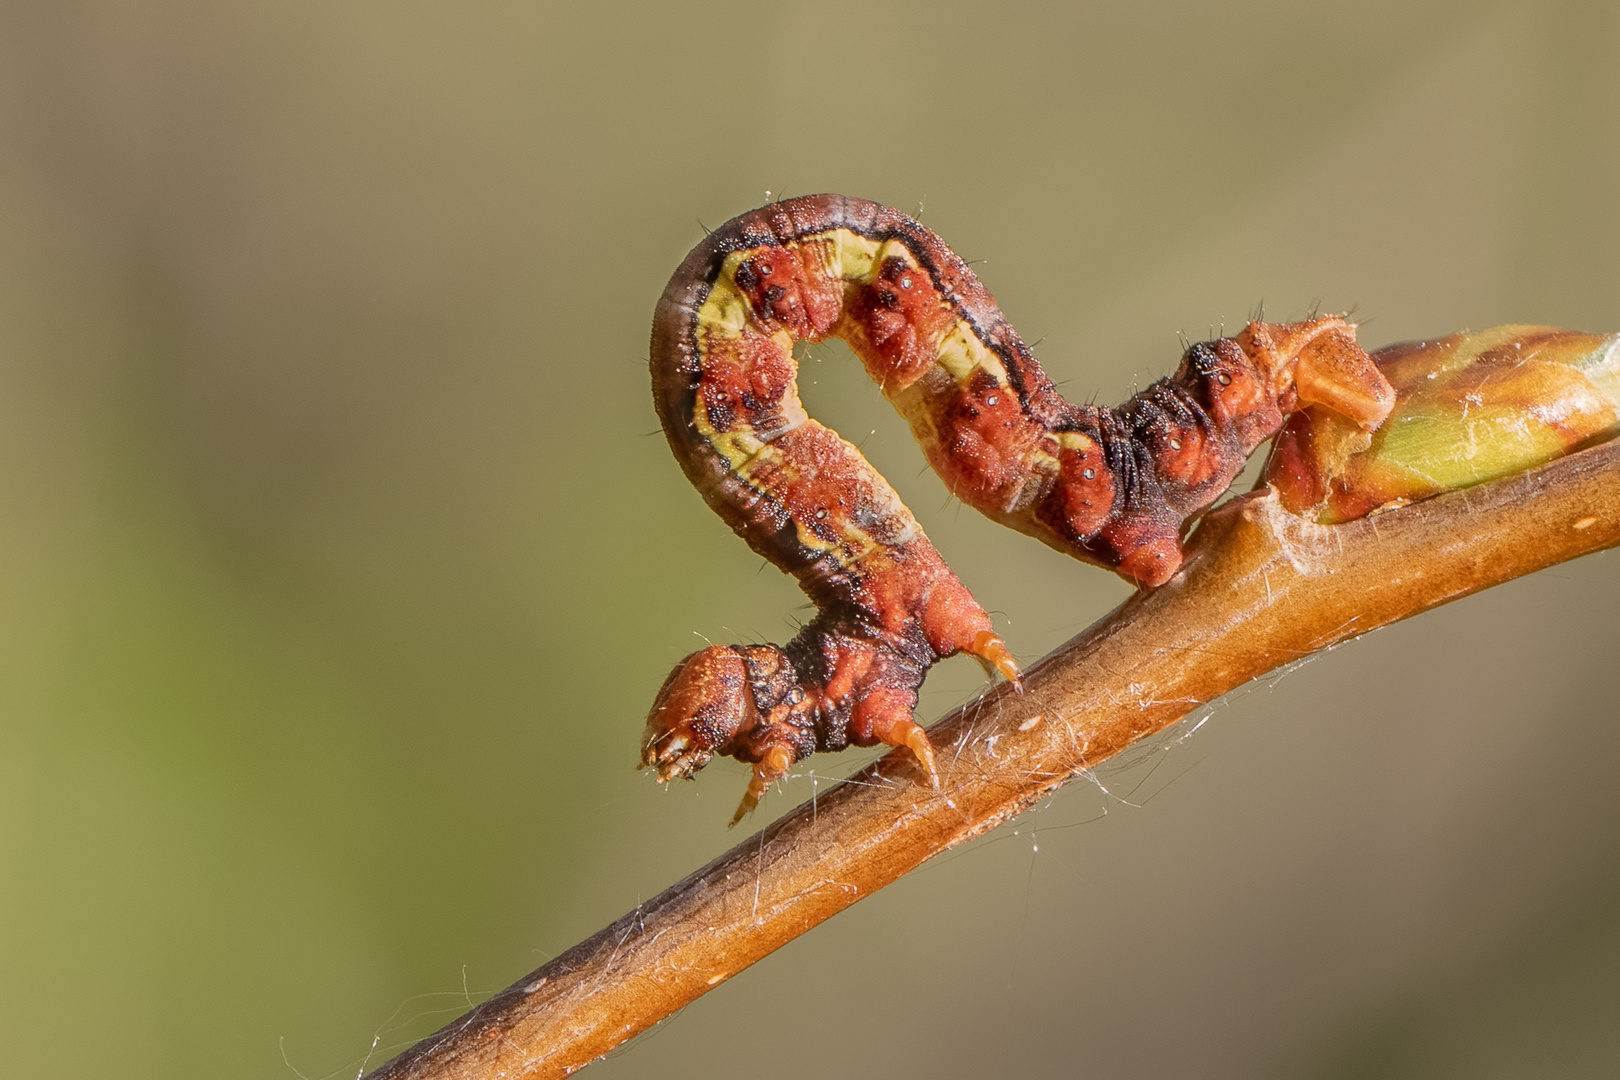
(703,704)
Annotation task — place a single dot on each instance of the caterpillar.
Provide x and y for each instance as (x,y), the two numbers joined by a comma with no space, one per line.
(1113,487)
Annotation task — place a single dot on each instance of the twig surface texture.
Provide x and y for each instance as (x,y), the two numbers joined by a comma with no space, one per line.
(1263,589)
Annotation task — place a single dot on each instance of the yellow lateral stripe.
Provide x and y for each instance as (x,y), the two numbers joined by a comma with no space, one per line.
(1074,440)
(857,259)
(726,311)
(737,447)
(961,353)
(852,258)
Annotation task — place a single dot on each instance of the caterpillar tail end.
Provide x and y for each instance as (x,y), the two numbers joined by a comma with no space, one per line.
(1330,368)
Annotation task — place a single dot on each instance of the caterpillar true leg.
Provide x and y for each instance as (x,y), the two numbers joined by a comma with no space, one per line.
(1109,486)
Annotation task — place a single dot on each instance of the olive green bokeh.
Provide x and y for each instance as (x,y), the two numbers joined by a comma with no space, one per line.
(339,558)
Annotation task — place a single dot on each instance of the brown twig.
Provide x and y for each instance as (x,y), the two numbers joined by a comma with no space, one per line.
(1262,590)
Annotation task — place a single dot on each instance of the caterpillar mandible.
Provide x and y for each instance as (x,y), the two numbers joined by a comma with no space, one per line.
(1113,487)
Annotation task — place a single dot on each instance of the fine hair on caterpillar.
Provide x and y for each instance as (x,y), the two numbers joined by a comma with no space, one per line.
(1110,486)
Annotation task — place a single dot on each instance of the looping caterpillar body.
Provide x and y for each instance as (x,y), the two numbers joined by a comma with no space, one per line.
(1113,487)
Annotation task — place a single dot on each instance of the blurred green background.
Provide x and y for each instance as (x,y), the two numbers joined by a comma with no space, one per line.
(340,559)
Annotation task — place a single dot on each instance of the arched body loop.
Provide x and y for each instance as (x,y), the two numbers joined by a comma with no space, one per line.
(1115,487)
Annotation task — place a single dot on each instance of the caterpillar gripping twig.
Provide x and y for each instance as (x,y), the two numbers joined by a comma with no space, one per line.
(1114,487)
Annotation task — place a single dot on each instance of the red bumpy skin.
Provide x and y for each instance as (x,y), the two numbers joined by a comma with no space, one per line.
(1109,486)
